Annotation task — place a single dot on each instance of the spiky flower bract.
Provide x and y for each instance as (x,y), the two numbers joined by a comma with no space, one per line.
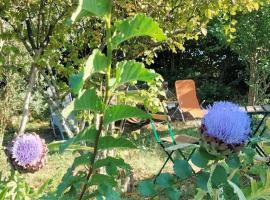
(225,127)
(27,152)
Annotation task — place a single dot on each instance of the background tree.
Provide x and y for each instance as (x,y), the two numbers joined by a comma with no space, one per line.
(33,24)
(251,43)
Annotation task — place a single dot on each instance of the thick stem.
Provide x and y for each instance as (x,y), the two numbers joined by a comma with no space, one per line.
(106,100)
(27,99)
(92,159)
(109,56)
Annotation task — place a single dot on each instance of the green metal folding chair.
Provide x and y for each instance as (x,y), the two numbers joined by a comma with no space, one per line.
(173,143)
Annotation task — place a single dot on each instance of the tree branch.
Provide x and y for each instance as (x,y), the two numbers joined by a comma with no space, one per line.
(20,36)
(30,33)
(51,29)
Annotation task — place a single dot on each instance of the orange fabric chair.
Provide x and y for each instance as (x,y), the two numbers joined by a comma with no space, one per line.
(187,99)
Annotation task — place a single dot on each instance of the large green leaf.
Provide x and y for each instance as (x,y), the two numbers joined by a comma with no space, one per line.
(76,82)
(96,63)
(107,191)
(139,25)
(117,112)
(108,142)
(200,194)
(172,193)
(147,188)
(202,179)
(237,190)
(182,169)
(98,179)
(98,8)
(88,134)
(83,159)
(118,162)
(87,100)
(200,158)
(219,176)
(165,180)
(233,161)
(127,71)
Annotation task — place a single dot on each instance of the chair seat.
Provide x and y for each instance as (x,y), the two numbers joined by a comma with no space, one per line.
(196,112)
(181,139)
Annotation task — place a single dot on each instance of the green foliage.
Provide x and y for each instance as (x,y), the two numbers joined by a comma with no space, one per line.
(128,71)
(182,169)
(15,187)
(92,8)
(118,112)
(139,25)
(82,103)
(147,188)
(96,99)
(108,142)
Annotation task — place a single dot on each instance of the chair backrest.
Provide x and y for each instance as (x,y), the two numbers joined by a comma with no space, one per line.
(156,135)
(186,94)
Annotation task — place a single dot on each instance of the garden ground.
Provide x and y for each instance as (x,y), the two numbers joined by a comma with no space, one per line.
(145,161)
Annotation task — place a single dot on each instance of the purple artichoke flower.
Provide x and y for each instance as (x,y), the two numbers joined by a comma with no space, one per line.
(27,152)
(225,128)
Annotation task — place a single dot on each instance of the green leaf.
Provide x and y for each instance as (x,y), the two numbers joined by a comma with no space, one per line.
(200,158)
(98,8)
(219,176)
(147,188)
(88,134)
(76,82)
(237,190)
(87,100)
(83,159)
(107,191)
(200,194)
(96,63)
(117,112)
(118,162)
(182,169)
(139,25)
(249,154)
(233,161)
(127,71)
(172,193)
(98,179)
(108,142)
(43,187)
(165,180)
(202,179)
(3,194)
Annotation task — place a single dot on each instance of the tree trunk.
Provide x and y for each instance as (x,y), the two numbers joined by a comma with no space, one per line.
(252,94)
(27,99)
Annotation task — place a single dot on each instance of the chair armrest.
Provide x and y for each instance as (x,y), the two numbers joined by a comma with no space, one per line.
(180,146)
(201,105)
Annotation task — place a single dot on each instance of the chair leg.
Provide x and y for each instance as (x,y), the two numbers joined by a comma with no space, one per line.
(168,158)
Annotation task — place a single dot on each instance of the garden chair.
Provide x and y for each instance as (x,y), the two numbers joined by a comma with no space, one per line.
(172,143)
(187,99)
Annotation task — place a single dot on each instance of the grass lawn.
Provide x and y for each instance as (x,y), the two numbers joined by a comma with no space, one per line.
(145,161)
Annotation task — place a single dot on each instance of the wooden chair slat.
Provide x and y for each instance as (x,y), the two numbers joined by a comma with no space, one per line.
(160,117)
(250,109)
(267,108)
(259,109)
(243,108)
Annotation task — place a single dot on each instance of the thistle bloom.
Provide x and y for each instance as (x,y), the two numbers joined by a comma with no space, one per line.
(225,126)
(27,152)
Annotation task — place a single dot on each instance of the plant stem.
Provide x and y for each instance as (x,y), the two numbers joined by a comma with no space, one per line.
(106,100)
(109,57)
(92,159)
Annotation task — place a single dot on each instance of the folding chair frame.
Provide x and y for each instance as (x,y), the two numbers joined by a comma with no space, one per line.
(168,153)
